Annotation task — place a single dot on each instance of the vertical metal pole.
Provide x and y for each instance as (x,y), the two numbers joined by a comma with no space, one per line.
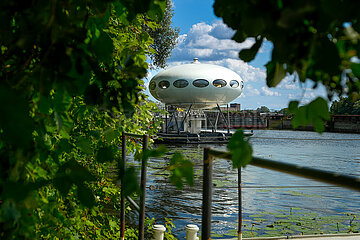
(207,194)
(183,121)
(121,172)
(143,189)
(176,121)
(216,120)
(166,120)
(240,205)
(168,124)
(228,118)
(223,116)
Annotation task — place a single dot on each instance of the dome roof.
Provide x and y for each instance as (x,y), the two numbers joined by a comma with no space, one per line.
(202,85)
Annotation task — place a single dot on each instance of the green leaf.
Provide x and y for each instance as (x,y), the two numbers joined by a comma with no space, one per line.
(15,121)
(293,106)
(86,196)
(62,184)
(299,118)
(9,211)
(315,113)
(156,10)
(240,150)
(85,145)
(71,173)
(103,47)
(44,105)
(326,56)
(105,154)
(157,152)
(355,68)
(247,55)
(130,183)
(92,95)
(111,134)
(275,72)
(181,168)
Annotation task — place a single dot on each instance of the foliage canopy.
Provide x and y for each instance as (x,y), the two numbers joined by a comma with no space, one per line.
(70,84)
(345,106)
(316,40)
(165,38)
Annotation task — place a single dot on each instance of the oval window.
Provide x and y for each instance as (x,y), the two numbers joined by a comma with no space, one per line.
(164,84)
(152,85)
(201,83)
(219,83)
(242,84)
(234,83)
(181,83)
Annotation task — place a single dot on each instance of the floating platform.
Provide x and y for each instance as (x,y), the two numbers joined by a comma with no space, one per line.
(204,137)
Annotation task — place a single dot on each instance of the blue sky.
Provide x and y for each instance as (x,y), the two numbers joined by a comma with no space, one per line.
(205,36)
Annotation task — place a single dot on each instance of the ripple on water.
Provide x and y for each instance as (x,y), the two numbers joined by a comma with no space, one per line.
(329,151)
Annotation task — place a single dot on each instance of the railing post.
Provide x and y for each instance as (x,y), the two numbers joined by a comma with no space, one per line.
(191,232)
(228,118)
(207,193)
(122,170)
(143,189)
(240,205)
(158,232)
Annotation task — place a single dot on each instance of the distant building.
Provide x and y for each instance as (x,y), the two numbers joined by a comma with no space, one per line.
(233,107)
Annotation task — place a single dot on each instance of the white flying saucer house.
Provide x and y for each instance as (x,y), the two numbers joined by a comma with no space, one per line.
(195,87)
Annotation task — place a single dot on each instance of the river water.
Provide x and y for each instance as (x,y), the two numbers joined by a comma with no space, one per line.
(273,203)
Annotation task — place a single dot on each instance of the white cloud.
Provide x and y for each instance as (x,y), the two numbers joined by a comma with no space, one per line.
(289,82)
(309,95)
(221,31)
(251,91)
(204,38)
(292,96)
(212,44)
(268,92)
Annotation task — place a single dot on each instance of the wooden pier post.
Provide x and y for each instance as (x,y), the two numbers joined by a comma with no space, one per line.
(143,189)
(207,194)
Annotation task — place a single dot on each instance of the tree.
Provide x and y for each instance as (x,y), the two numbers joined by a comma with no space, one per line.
(165,38)
(262,109)
(345,106)
(315,40)
(283,111)
(70,79)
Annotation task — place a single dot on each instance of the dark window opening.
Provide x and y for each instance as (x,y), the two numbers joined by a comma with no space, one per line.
(201,83)
(181,83)
(164,84)
(234,83)
(219,83)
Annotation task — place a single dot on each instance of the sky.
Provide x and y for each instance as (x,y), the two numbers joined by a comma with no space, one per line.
(205,36)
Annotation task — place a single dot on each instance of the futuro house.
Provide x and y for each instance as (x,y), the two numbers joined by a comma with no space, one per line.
(200,85)
(194,87)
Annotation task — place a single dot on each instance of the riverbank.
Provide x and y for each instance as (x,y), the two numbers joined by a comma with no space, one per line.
(337,123)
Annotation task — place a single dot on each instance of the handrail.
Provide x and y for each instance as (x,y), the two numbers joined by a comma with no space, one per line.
(138,135)
(293,169)
(342,180)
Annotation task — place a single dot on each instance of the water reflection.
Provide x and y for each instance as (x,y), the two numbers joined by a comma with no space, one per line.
(264,190)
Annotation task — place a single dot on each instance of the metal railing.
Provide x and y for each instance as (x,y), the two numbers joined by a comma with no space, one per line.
(306,172)
(145,143)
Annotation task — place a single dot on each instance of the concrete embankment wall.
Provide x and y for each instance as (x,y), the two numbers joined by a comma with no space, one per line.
(337,123)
